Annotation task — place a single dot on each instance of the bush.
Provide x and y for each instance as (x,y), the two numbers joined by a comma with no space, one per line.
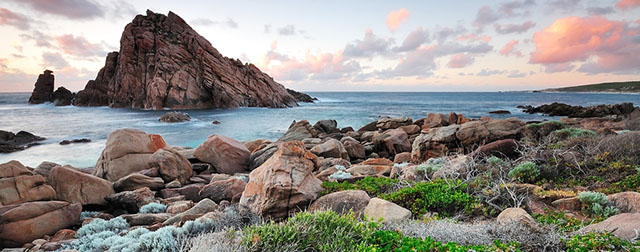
(444,197)
(526,172)
(430,166)
(495,161)
(560,221)
(372,185)
(569,133)
(153,207)
(386,240)
(599,242)
(596,203)
(317,231)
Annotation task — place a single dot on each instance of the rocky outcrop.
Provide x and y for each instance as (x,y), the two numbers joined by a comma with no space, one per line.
(342,202)
(43,90)
(127,151)
(62,97)
(561,109)
(131,200)
(175,116)
(23,223)
(283,184)
(299,131)
(171,165)
(74,186)
(164,63)
(225,154)
(18,184)
(228,189)
(10,142)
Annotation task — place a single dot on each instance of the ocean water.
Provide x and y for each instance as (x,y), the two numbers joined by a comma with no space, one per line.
(353,109)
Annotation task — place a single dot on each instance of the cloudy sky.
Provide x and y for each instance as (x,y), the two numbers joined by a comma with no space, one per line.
(347,45)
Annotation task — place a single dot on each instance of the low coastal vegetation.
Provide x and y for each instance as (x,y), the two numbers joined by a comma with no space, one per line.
(441,183)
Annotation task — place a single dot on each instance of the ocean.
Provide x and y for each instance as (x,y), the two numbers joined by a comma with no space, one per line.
(353,109)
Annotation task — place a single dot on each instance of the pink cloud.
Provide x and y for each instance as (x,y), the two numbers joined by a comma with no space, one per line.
(627,4)
(17,20)
(474,37)
(460,60)
(514,28)
(509,49)
(608,46)
(79,46)
(395,18)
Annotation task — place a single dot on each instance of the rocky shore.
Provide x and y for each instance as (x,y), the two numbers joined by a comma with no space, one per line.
(425,182)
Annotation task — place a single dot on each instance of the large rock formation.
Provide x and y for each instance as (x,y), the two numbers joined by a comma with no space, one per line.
(561,109)
(18,184)
(163,62)
(43,90)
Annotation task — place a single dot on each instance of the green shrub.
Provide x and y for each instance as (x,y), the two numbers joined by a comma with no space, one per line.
(430,166)
(372,185)
(495,161)
(560,221)
(597,204)
(570,133)
(599,242)
(629,183)
(526,172)
(317,231)
(385,240)
(444,197)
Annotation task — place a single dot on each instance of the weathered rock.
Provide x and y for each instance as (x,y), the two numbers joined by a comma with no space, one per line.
(18,184)
(131,200)
(632,122)
(482,132)
(127,151)
(342,202)
(258,157)
(402,157)
(624,225)
(23,223)
(354,149)
(302,97)
(387,123)
(229,189)
(256,144)
(561,109)
(326,126)
(299,131)
(175,116)
(62,97)
(191,192)
(44,168)
(43,90)
(410,129)
(284,183)
(502,148)
(372,167)
(185,72)
(369,127)
(567,204)
(392,142)
(514,214)
(435,120)
(385,210)
(204,206)
(226,155)
(626,202)
(435,142)
(179,206)
(454,167)
(146,219)
(10,142)
(135,181)
(171,165)
(63,234)
(500,112)
(74,186)
(331,149)
(81,140)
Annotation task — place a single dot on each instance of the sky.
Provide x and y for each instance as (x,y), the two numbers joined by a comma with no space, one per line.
(346,45)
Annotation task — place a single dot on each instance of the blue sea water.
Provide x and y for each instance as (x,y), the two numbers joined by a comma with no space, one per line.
(348,108)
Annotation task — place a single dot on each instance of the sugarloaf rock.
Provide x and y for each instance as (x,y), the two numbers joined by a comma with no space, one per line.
(164,63)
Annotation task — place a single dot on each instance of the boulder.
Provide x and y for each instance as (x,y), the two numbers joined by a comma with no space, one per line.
(62,97)
(342,202)
(506,148)
(63,234)
(135,181)
(25,222)
(43,90)
(131,200)
(127,151)
(402,157)
(256,145)
(171,165)
(18,185)
(454,167)
(369,127)
(500,112)
(326,126)
(44,168)
(204,206)
(10,142)
(371,167)
(191,192)
(147,219)
(283,184)
(514,214)
(184,72)
(435,142)
(179,206)
(229,189)
(299,131)
(411,129)
(331,149)
(627,202)
(387,123)
(624,225)
(175,116)
(354,149)
(561,109)
(74,186)
(435,120)
(632,122)
(226,155)
(482,132)
(385,210)
(392,142)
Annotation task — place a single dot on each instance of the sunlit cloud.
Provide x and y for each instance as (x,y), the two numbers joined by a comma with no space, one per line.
(627,4)
(397,17)
(509,49)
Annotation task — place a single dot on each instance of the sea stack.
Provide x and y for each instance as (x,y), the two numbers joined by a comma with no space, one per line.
(164,63)
(43,90)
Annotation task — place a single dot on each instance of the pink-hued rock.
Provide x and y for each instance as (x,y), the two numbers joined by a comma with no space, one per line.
(18,184)
(164,63)
(624,225)
(171,165)
(284,183)
(23,223)
(229,189)
(342,202)
(226,155)
(74,186)
(127,151)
